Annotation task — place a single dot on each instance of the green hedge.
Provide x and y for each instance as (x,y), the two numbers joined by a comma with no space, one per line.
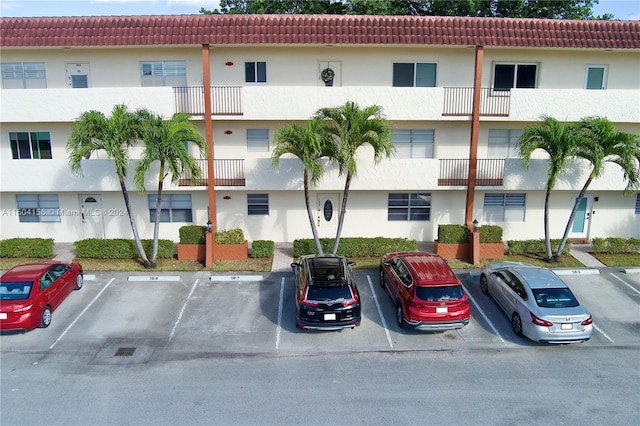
(520,247)
(262,248)
(356,247)
(453,234)
(120,249)
(490,234)
(616,245)
(231,236)
(192,234)
(27,247)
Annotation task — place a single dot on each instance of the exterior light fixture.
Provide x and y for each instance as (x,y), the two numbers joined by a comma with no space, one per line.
(475,225)
(226,197)
(228,132)
(209,223)
(229,64)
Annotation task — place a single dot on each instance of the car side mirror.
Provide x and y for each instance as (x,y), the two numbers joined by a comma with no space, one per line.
(351,263)
(295,265)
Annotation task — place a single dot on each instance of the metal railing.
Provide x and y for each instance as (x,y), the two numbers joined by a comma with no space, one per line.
(225,100)
(227,173)
(459,101)
(454,172)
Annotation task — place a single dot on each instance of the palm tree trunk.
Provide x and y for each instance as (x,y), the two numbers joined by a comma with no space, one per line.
(156,225)
(312,222)
(343,209)
(134,229)
(572,217)
(547,237)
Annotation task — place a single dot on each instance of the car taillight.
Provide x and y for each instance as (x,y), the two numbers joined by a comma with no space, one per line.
(352,301)
(588,321)
(25,309)
(540,321)
(306,302)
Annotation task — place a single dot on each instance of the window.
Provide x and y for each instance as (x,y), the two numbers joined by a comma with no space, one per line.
(164,73)
(409,207)
(521,76)
(27,75)
(255,72)
(25,145)
(503,142)
(257,204)
(596,77)
(638,203)
(504,207)
(38,207)
(416,143)
(174,208)
(414,75)
(258,140)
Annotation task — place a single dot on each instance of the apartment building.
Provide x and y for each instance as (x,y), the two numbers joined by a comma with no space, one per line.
(458,91)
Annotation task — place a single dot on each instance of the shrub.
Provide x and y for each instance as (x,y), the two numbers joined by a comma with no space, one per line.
(192,234)
(231,236)
(616,245)
(517,247)
(490,234)
(356,247)
(453,234)
(120,248)
(262,248)
(27,247)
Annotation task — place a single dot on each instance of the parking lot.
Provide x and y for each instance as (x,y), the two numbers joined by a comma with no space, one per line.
(122,318)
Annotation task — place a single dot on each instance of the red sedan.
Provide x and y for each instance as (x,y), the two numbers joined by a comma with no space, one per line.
(29,293)
(427,294)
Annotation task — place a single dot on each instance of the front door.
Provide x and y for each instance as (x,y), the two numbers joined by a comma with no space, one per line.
(92,216)
(328,210)
(78,75)
(580,225)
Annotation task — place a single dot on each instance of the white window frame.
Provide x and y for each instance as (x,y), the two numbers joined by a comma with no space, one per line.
(24,75)
(34,208)
(35,153)
(255,72)
(409,207)
(504,207)
(257,140)
(414,143)
(170,206)
(503,146)
(605,75)
(258,204)
(416,76)
(516,65)
(638,203)
(163,73)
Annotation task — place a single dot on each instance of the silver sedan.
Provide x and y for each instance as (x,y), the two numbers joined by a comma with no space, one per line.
(539,304)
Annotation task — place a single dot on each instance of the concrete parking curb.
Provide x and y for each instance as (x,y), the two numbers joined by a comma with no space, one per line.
(631,270)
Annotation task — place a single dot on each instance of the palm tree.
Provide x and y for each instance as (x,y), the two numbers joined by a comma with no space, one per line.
(600,143)
(164,141)
(93,131)
(557,139)
(353,128)
(309,145)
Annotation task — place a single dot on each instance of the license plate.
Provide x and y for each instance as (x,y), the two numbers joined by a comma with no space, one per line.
(329,317)
(3,315)
(566,326)
(442,310)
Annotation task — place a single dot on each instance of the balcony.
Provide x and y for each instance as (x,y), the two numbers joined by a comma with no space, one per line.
(224,100)
(458,101)
(227,173)
(454,172)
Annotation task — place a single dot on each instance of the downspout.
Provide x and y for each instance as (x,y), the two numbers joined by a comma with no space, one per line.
(211,182)
(473,146)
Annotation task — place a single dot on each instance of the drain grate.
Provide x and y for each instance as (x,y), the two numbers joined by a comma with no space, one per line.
(125,351)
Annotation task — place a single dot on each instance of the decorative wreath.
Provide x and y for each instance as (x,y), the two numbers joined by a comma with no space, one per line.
(327,74)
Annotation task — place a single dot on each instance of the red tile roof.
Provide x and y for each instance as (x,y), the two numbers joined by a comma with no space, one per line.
(316,29)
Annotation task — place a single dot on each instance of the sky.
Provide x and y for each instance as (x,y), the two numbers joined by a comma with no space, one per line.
(621,9)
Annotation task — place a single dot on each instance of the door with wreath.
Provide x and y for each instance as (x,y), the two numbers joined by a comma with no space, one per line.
(329,73)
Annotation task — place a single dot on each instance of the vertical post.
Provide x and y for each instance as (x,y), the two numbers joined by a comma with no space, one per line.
(475,247)
(473,146)
(211,181)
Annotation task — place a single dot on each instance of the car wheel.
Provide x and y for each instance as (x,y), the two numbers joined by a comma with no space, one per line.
(484,286)
(382,283)
(400,316)
(45,318)
(516,324)
(79,281)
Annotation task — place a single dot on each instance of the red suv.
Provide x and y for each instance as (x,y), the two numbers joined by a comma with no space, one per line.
(427,294)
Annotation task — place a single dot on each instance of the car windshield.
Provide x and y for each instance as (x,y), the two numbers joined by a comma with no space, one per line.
(439,294)
(15,290)
(328,293)
(555,298)
(327,269)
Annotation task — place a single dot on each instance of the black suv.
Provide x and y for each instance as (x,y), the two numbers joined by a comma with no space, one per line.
(327,297)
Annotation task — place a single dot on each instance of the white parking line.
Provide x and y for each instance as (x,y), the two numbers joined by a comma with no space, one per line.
(280,302)
(485,317)
(625,283)
(184,306)
(81,313)
(603,333)
(384,323)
